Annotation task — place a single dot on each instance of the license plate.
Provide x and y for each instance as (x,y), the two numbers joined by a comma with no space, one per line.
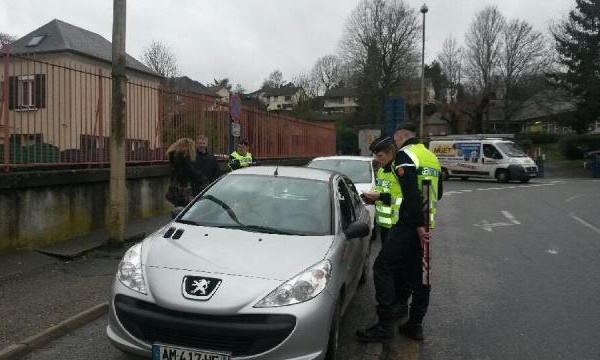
(167,352)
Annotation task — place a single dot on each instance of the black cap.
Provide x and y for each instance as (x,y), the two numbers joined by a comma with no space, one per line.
(380,144)
(407,125)
(244,142)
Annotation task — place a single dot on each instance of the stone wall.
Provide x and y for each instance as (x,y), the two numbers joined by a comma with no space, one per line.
(44,207)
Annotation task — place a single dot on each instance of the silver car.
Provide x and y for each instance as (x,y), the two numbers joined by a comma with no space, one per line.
(360,169)
(261,265)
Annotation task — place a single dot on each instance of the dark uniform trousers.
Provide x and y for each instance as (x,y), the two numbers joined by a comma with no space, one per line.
(397,272)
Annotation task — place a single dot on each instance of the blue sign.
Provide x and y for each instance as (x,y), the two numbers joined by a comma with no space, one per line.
(235,107)
(394,112)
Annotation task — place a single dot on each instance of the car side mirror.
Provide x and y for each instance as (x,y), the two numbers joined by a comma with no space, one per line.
(176,211)
(357,229)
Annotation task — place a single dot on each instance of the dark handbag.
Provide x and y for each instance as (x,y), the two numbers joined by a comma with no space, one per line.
(178,194)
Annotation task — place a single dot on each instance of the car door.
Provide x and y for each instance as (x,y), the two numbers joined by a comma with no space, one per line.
(354,248)
(490,159)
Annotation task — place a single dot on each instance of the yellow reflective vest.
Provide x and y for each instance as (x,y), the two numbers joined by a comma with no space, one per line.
(387,182)
(244,160)
(428,167)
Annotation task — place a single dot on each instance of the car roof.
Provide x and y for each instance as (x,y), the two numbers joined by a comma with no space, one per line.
(344,157)
(288,171)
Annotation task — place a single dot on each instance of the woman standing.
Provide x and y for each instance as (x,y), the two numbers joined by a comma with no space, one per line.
(181,154)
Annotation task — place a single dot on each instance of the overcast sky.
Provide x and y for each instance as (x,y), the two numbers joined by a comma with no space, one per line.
(245,40)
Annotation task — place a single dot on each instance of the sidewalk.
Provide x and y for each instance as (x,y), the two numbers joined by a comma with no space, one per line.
(42,287)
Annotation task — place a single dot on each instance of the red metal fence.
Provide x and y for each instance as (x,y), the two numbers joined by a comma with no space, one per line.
(55,111)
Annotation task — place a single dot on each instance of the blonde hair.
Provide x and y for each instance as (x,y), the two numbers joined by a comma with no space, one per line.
(185,146)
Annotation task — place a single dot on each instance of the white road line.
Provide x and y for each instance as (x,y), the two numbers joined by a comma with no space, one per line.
(574,197)
(510,217)
(585,223)
(466,191)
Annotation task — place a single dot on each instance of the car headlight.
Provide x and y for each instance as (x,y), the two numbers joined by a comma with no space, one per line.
(130,269)
(301,288)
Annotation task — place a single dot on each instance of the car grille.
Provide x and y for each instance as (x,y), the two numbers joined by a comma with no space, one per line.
(532,169)
(241,335)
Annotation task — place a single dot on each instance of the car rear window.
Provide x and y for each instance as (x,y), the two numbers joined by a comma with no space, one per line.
(357,170)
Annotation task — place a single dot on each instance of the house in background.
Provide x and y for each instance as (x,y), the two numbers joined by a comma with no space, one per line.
(59,92)
(342,100)
(284,98)
(184,84)
(411,91)
(221,91)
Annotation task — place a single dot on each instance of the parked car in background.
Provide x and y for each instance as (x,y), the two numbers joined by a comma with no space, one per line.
(360,169)
(261,265)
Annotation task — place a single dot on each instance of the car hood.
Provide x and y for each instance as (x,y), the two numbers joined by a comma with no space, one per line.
(235,252)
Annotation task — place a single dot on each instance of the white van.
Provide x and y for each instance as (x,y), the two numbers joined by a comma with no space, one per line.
(482,156)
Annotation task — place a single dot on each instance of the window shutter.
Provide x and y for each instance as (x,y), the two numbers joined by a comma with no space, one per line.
(12,92)
(40,91)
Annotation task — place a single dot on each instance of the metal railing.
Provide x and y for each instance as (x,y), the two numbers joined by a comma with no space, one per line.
(55,111)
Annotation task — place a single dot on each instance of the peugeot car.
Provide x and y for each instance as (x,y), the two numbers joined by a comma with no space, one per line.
(261,265)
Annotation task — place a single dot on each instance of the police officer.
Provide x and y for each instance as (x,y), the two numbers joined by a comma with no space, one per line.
(387,198)
(241,157)
(401,253)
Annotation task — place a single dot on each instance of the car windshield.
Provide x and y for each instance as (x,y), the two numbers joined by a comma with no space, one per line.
(511,149)
(271,204)
(358,171)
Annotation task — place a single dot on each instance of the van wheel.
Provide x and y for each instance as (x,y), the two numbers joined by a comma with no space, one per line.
(334,333)
(502,176)
(464,178)
(445,174)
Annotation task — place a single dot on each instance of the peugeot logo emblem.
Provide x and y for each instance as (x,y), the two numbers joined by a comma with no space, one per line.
(199,287)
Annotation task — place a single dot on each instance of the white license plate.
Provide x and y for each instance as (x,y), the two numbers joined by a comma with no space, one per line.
(167,352)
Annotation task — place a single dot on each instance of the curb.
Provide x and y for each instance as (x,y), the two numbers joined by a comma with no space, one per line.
(17,350)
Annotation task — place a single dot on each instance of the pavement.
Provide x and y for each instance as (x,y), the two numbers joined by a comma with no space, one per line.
(49,291)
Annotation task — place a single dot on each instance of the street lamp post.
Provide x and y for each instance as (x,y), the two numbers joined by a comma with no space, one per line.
(424,10)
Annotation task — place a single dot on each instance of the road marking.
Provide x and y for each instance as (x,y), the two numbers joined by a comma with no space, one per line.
(466,191)
(574,197)
(552,251)
(510,217)
(585,223)
(487,226)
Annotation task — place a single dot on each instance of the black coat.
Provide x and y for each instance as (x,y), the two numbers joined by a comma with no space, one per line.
(207,170)
(183,169)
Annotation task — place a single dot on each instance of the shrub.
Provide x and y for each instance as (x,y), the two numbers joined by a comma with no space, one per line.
(574,147)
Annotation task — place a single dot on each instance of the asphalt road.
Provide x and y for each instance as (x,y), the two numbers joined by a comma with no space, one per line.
(515,276)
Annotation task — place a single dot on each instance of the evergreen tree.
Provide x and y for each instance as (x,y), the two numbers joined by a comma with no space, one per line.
(578,46)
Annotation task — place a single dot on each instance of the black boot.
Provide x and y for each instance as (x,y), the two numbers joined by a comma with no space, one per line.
(412,330)
(376,333)
(401,311)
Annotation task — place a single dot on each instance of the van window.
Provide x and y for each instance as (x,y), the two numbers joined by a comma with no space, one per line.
(489,151)
(511,149)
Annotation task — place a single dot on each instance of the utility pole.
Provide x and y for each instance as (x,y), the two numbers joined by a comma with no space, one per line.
(117,204)
(424,10)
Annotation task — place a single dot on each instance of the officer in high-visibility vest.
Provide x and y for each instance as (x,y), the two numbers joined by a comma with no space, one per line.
(241,157)
(401,254)
(387,198)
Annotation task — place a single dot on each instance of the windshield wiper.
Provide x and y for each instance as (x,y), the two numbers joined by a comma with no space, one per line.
(188,222)
(260,228)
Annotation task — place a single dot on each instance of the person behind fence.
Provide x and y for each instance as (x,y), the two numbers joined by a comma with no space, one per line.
(241,157)
(207,167)
(181,154)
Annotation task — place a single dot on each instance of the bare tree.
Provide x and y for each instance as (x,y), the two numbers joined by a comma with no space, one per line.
(380,43)
(275,80)
(483,43)
(451,60)
(308,83)
(327,72)
(160,58)
(523,59)
(6,39)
